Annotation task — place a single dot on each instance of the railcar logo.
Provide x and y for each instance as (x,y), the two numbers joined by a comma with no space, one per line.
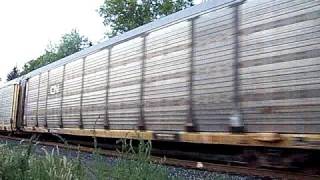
(54,89)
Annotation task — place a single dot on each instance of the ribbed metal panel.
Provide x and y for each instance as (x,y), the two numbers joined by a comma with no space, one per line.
(125,79)
(280,66)
(94,90)
(213,70)
(7,98)
(167,69)
(72,94)
(43,92)
(32,101)
(54,99)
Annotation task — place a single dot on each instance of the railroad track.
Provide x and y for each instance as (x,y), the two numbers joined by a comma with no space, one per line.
(189,164)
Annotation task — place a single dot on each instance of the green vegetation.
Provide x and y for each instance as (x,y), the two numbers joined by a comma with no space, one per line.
(124,15)
(20,162)
(136,164)
(13,74)
(119,16)
(70,43)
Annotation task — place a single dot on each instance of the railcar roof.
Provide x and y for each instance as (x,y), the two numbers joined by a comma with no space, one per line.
(165,21)
(15,81)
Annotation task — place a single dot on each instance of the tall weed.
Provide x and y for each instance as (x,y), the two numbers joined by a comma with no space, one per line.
(23,162)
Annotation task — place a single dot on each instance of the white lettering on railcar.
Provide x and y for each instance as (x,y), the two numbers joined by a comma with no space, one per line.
(54,89)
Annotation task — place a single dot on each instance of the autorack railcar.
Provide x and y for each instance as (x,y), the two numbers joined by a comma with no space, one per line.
(222,72)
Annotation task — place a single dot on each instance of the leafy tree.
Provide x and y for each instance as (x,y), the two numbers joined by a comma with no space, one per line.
(70,43)
(124,15)
(13,74)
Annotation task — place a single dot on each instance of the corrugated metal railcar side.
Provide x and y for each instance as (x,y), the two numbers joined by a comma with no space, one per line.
(213,72)
(8,106)
(166,77)
(124,84)
(95,90)
(31,107)
(43,95)
(257,58)
(280,66)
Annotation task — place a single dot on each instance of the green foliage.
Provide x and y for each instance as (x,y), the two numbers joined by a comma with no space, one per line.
(20,162)
(70,43)
(124,15)
(53,166)
(13,74)
(135,163)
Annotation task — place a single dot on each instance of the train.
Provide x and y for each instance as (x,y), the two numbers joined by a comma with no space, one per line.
(225,72)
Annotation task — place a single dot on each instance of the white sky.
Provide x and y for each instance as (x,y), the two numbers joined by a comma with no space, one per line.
(26,27)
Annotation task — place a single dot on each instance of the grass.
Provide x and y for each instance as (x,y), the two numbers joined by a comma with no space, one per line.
(21,162)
